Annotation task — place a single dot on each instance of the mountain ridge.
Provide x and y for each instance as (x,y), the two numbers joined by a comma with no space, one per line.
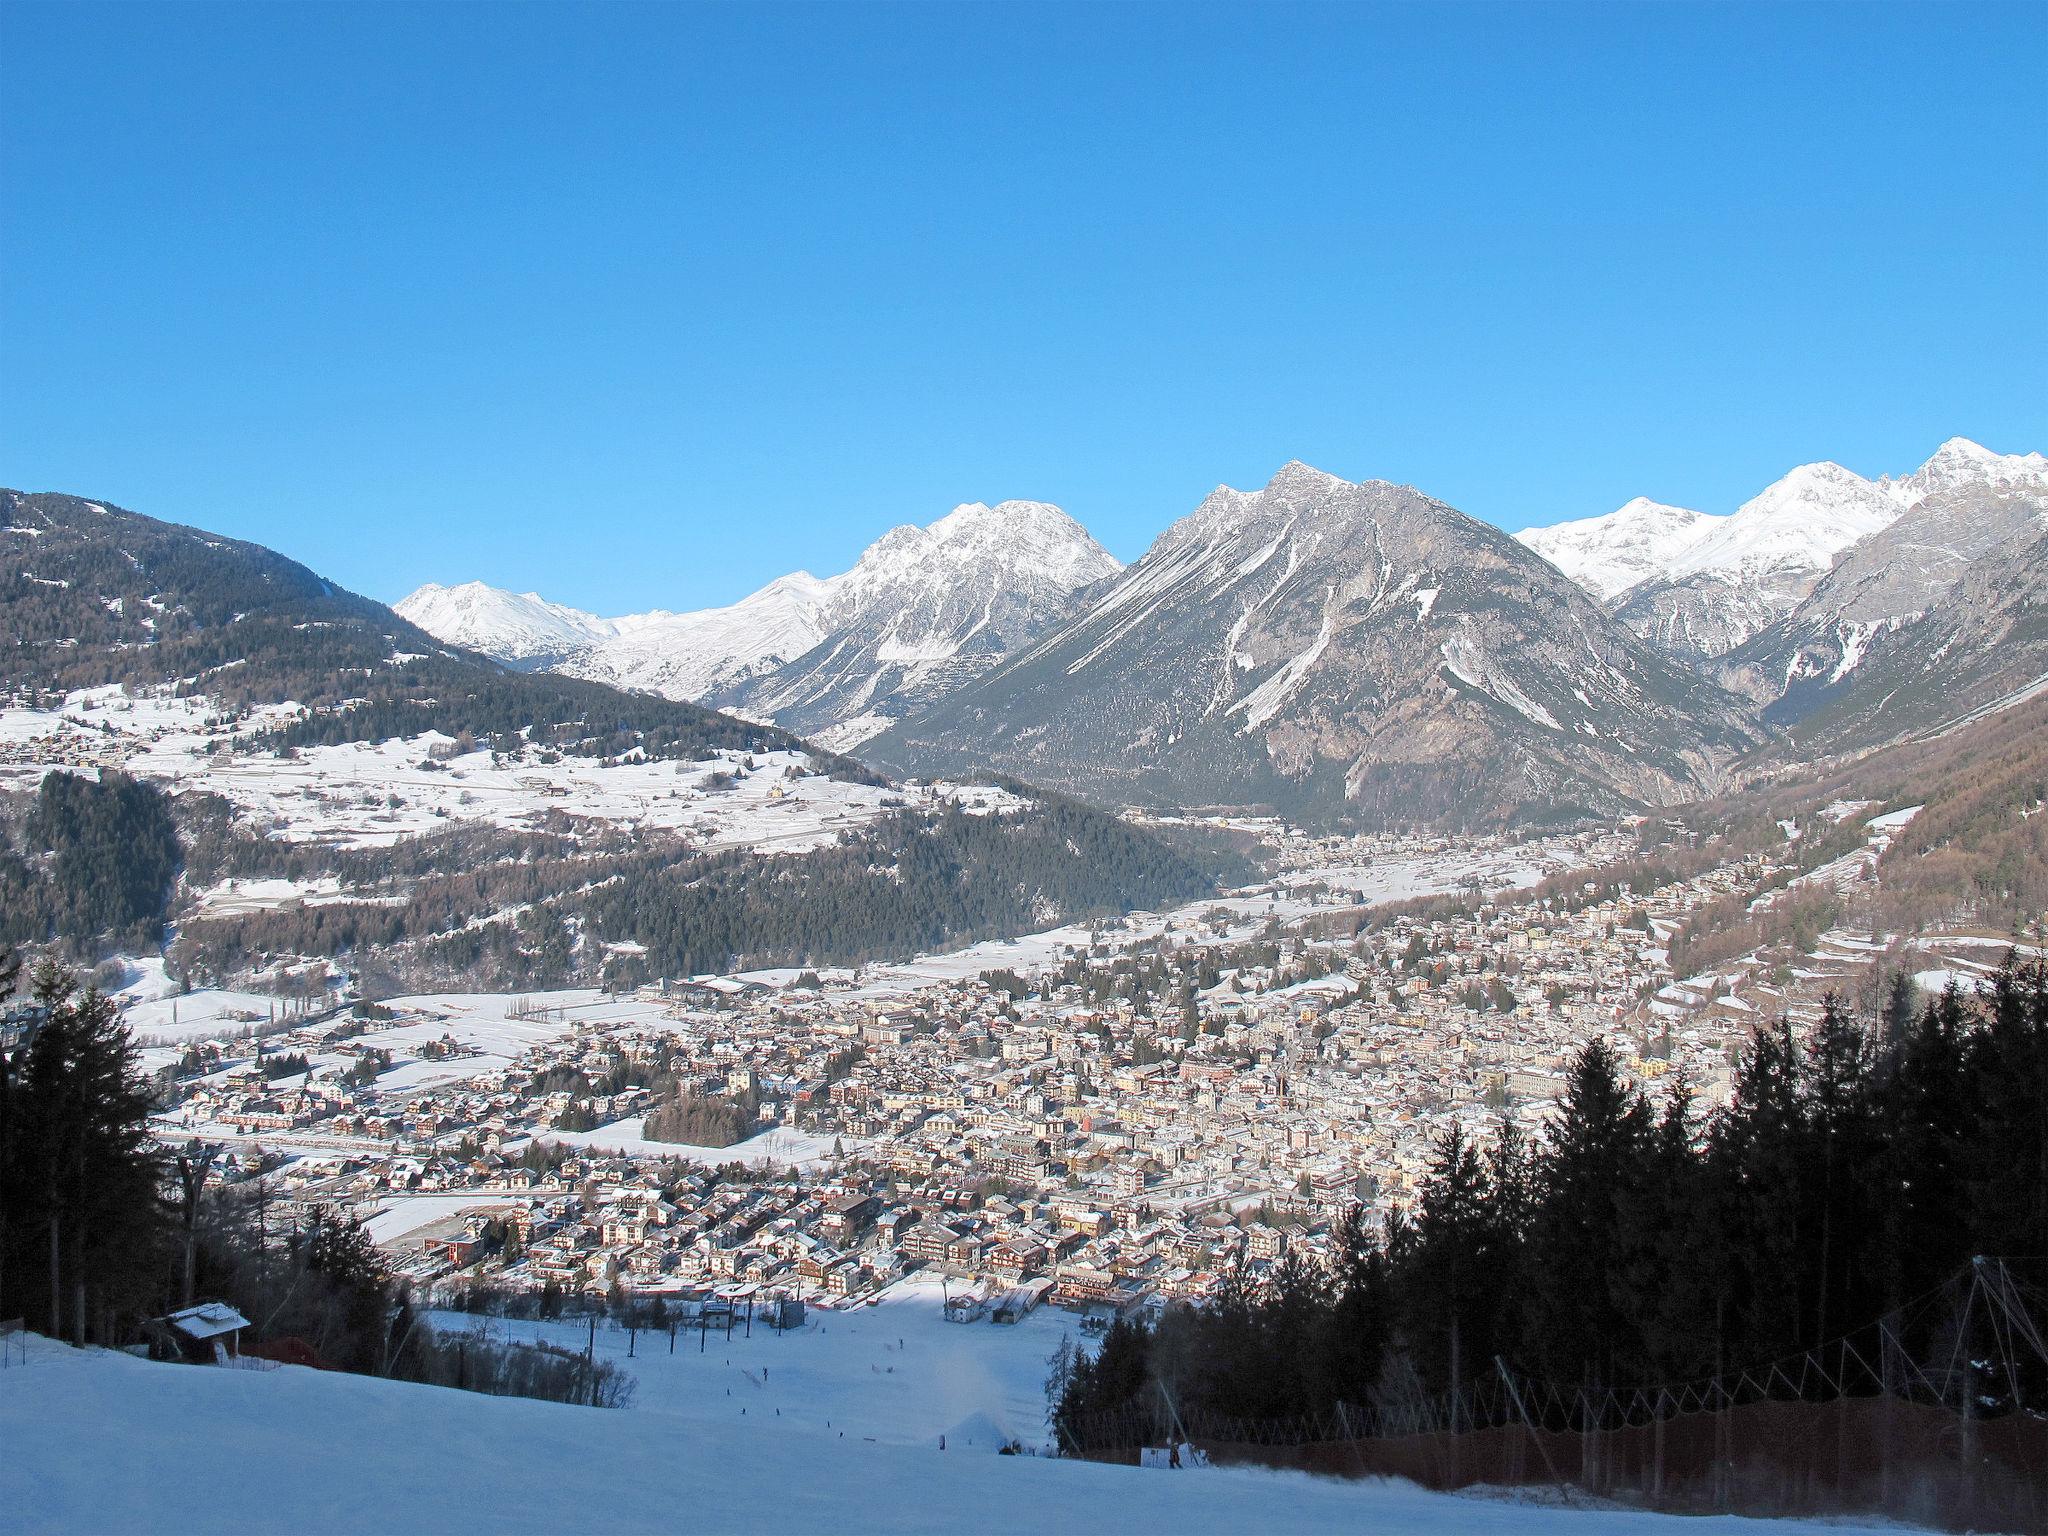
(1707,584)
(1350,649)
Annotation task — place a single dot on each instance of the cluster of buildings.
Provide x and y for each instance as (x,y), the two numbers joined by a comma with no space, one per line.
(1131,1120)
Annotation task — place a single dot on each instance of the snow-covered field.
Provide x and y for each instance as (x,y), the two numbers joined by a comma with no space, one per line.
(108,1443)
(369,794)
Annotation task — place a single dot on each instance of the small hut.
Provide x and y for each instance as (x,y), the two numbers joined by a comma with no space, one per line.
(208,1334)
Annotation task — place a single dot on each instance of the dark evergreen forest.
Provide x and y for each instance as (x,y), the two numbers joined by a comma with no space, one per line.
(94,866)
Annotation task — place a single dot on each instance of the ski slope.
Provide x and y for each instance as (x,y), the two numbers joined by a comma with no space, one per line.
(119,1444)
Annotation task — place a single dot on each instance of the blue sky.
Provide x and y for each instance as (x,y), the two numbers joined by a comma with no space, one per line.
(645,305)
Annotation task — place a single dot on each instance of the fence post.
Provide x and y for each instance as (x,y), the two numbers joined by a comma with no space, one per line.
(1969,1466)
(1657,1475)
(1564,1491)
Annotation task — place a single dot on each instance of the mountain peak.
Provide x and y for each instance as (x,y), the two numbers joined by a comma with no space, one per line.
(512,626)
(1961,463)
(1296,478)
(1610,553)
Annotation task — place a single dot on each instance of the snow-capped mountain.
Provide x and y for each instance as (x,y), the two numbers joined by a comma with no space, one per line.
(1963,532)
(1742,571)
(839,657)
(924,611)
(1703,585)
(521,629)
(1960,464)
(1358,649)
(1611,553)
(688,655)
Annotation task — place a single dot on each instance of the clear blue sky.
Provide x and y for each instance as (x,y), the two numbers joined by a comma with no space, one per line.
(645,305)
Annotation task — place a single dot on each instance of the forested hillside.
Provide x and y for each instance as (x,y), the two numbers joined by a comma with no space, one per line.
(96,595)
(1974,854)
(481,906)
(91,865)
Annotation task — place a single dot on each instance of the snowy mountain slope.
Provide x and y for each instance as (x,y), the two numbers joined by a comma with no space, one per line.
(1980,645)
(1960,464)
(1746,569)
(1339,649)
(1611,553)
(120,1444)
(1882,586)
(517,628)
(925,610)
(1703,585)
(688,655)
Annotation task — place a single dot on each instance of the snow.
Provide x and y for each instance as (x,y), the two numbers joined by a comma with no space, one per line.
(357,1454)
(1960,462)
(513,626)
(897,589)
(1471,666)
(1941,978)
(401,1215)
(343,794)
(1611,553)
(208,1014)
(781,1146)
(1797,523)
(1770,549)
(1264,701)
(688,655)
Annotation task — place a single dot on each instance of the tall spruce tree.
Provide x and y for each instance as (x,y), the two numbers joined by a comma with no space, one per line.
(84,1181)
(1575,1233)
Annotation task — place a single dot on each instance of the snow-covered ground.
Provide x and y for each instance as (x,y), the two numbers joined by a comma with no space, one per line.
(208,1014)
(781,1146)
(370,794)
(894,1372)
(119,1444)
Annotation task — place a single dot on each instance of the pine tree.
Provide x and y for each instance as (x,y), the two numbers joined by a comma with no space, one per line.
(1447,1285)
(1575,1235)
(84,1179)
